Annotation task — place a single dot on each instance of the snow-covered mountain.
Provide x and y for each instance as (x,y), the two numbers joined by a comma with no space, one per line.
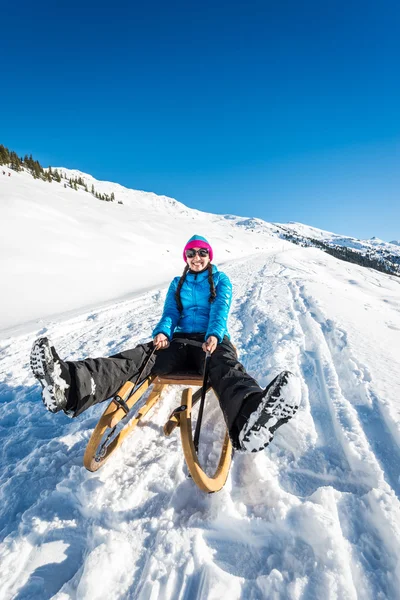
(317,514)
(373,253)
(334,238)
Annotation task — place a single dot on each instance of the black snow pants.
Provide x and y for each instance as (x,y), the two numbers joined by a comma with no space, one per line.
(94,380)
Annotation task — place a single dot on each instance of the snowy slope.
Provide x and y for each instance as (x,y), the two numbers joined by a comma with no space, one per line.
(316,515)
(75,251)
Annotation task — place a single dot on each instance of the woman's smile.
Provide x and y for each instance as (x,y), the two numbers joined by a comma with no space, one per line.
(198,263)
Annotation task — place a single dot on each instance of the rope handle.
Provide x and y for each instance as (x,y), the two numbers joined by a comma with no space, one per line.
(196,438)
(204,387)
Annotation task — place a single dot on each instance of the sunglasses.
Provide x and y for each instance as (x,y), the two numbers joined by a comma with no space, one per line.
(191,253)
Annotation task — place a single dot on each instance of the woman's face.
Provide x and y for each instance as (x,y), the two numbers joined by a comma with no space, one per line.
(197,263)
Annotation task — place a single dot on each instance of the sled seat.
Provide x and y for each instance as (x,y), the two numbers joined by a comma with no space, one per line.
(180,378)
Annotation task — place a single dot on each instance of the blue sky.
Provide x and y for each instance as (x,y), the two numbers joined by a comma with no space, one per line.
(284,110)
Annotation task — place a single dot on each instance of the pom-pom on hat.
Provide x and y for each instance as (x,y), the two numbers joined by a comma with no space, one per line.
(198,241)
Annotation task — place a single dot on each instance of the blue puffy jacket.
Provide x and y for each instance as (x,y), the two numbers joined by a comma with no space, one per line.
(198,315)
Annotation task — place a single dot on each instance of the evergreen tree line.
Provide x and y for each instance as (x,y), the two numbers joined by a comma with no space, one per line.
(8,157)
(74,182)
(386,262)
(11,159)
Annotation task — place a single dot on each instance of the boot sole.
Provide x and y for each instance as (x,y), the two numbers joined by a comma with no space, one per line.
(273,411)
(43,368)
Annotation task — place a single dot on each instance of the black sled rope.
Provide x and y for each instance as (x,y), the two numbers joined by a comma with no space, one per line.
(202,402)
(203,390)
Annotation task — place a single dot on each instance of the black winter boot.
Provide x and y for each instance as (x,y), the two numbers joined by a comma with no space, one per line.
(262,414)
(52,373)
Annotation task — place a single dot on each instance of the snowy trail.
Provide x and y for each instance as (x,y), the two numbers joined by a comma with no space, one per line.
(343,387)
(315,515)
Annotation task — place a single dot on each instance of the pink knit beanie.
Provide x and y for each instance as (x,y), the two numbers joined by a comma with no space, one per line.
(197,241)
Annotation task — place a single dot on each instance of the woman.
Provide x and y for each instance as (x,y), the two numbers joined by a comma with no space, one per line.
(196,308)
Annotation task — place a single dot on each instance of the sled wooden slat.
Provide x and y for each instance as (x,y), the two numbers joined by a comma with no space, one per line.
(174,418)
(113,414)
(203,481)
(119,413)
(171,424)
(180,379)
(177,379)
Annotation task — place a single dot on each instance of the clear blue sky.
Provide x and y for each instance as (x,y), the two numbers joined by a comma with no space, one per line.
(282,110)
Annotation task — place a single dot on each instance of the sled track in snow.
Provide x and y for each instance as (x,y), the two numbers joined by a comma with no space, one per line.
(354,383)
(334,377)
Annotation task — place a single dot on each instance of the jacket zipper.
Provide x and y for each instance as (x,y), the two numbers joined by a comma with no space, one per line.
(195,301)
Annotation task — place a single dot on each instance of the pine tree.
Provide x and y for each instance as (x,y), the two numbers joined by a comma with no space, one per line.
(38,167)
(112,197)
(4,155)
(30,164)
(15,162)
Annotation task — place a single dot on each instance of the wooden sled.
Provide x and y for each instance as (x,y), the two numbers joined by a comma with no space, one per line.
(102,443)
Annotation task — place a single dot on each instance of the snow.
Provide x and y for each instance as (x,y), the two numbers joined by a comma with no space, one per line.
(314,515)
(373,243)
(75,251)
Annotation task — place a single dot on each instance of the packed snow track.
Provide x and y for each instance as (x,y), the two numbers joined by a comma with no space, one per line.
(315,515)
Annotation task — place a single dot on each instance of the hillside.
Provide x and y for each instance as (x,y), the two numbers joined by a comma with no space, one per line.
(76,251)
(373,253)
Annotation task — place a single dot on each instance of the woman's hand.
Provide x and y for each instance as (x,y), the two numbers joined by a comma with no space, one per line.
(210,344)
(160,341)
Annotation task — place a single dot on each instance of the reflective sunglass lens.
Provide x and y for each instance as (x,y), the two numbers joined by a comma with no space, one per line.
(192,253)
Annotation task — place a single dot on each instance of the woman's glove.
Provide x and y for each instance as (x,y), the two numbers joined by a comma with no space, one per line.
(210,344)
(160,341)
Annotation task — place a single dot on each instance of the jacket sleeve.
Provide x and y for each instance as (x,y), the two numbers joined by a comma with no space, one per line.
(217,323)
(171,314)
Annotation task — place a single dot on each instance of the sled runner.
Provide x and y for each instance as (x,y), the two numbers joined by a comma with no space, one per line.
(115,424)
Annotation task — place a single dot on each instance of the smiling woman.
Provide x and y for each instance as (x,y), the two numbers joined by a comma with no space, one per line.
(196,309)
